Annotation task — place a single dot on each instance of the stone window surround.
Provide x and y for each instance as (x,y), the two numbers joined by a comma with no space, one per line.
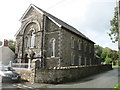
(32,21)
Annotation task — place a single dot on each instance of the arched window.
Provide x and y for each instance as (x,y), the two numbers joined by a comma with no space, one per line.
(72,58)
(26,42)
(32,40)
(85,63)
(72,42)
(80,60)
(79,44)
(52,44)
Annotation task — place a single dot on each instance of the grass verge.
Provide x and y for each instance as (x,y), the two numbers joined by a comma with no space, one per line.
(115,66)
(117,87)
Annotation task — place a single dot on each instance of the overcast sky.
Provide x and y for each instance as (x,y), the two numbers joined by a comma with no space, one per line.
(91,17)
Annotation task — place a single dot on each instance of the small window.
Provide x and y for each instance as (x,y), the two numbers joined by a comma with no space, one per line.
(85,63)
(85,46)
(80,60)
(90,48)
(90,61)
(79,44)
(72,42)
(72,59)
(52,47)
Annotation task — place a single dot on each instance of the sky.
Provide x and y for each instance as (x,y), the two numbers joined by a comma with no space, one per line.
(90,17)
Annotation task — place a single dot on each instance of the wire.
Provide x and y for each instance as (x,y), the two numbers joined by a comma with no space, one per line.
(61,1)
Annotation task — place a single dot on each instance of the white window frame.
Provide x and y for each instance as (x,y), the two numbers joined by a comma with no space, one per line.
(79,44)
(90,47)
(32,39)
(80,59)
(85,63)
(72,42)
(90,61)
(85,46)
(52,47)
(72,59)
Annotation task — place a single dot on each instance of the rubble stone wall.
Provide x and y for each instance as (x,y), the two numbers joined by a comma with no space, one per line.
(66,74)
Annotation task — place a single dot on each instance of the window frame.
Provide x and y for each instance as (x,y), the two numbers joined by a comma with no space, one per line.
(80,60)
(72,42)
(79,44)
(31,34)
(52,47)
(72,59)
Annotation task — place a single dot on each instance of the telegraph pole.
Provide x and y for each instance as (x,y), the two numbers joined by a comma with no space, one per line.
(118,4)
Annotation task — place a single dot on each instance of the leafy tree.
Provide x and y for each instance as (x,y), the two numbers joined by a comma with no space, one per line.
(98,50)
(12,45)
(106,51)
(114,26)
(115,56)
(108,60)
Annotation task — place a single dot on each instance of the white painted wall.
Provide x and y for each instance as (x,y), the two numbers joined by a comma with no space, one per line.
(6,55)
(0,55)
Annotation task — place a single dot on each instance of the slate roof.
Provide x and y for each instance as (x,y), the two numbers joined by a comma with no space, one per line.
(61,23)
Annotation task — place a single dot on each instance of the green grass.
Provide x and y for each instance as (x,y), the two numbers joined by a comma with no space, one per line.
(117,87)
(115,66)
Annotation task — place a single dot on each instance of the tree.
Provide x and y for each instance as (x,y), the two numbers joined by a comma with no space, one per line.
(98,50)
(114,27)
(108,60)
(106,52)
(12,45)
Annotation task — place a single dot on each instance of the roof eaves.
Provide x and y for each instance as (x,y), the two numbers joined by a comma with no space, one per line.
(17,32)
(79,34)
(54,21)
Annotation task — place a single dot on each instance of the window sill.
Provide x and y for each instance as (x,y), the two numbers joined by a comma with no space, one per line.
(52,56)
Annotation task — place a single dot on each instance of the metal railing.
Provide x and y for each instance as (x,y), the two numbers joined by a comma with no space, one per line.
(20,65)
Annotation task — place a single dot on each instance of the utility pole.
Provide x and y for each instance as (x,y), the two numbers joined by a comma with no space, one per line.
(118,4)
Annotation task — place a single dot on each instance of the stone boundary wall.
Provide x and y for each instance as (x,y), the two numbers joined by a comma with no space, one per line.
(66,74)
(26,75)
(29,75)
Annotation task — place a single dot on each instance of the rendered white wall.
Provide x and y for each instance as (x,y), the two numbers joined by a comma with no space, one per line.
(6,55)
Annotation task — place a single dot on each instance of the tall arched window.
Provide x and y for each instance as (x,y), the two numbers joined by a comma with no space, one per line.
(32,41)
(72,42)
(80,60)
(52,44)
(26,42)
(72,58)
(79,44)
